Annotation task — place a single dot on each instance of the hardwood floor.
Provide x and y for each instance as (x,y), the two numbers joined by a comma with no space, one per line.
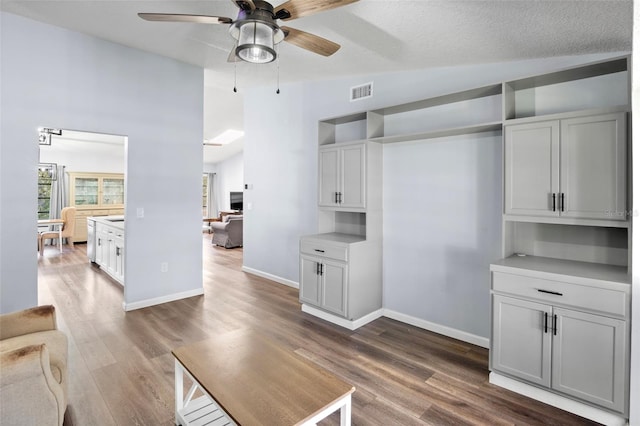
(121,368)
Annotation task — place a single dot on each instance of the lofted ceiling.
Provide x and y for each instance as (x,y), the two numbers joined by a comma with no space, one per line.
(376,36)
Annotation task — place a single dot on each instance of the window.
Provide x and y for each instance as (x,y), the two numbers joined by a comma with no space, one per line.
(205,191)
(44,193)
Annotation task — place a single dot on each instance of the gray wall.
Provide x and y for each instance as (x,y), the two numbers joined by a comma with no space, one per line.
(58,78)
(435,256)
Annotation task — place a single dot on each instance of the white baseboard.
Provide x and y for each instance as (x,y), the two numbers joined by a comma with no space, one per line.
(348,324)
(437,328)
(275,278)
(575,407)
(163,299)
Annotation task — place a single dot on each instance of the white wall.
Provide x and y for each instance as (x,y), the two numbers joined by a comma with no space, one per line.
(436,267)
(229,177)
(93,157)
(92,85)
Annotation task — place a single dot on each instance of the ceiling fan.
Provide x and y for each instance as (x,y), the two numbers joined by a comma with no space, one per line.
(256,30)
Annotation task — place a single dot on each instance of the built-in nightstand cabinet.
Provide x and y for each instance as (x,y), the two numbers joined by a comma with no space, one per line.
(342,177)
(573,168)
(569,336)
(337,275)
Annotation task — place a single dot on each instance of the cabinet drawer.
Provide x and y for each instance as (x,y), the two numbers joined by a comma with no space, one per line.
(596,299)
(323,249)
(84,213)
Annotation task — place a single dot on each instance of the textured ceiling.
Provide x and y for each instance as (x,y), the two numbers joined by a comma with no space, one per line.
(376,36)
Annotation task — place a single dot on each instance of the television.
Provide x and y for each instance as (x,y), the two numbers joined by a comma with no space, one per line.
(235,201)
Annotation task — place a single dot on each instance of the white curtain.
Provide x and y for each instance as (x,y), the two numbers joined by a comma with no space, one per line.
(58,194)
(212,198)
(58,198)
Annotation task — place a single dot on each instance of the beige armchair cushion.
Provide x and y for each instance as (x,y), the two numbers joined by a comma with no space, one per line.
(29,394)
(33,368)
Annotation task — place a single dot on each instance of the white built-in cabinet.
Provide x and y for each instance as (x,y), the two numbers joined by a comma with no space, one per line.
(561,294)
(342,176)
(567,334)
(109,247)
(572,168)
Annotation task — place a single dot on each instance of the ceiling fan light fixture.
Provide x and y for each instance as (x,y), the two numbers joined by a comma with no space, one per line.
(255,43)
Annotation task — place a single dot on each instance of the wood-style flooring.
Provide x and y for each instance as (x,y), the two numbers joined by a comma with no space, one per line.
(121,367)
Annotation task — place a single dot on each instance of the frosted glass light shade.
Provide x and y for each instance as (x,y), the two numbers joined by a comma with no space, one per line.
(255,43)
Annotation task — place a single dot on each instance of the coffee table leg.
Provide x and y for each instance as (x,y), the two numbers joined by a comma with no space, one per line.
(345,412)
(179,389)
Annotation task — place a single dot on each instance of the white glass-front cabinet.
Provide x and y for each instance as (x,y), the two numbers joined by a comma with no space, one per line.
(572,168)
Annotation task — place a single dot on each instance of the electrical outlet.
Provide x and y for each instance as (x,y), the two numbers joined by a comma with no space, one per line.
(164,267)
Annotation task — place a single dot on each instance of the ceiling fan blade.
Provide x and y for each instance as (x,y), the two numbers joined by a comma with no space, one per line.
(311,42)
(244,4)
(299,8)
(174,17)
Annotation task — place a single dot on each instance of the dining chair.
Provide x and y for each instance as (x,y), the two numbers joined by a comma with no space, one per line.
(68,215)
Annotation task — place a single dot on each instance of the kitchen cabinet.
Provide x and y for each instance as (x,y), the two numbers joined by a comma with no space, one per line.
(567,336)
(109,246)
(342,177)
(569,168)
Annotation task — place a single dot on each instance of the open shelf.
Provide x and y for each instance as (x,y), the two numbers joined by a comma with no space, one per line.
(599,84)
(455,131)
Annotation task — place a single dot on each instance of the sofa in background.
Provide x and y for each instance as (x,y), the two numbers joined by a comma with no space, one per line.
(33,368)
(228,233)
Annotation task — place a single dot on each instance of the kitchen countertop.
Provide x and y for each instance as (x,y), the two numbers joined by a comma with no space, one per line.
(114,221)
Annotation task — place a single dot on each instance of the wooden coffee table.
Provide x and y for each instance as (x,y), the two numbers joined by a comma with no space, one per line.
(248,379)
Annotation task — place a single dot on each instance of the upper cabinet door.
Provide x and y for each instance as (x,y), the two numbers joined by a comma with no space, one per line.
(531,178)
(329,162)
(593,167)
(352,193)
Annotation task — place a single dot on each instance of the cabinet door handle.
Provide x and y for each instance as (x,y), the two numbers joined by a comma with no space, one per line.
(562,201)
(555,324)
(317,268)
(340,197)
(99,241)
(318,250)
(117,251)
(545,322)
(555,293)
(553,202)
(336,197)
(321,269)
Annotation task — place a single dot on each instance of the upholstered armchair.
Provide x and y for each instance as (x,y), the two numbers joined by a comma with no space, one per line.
(33,368)
(68,215)
(228,233)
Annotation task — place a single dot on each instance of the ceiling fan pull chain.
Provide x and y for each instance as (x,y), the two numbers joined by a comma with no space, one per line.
(235,90)
(278,70)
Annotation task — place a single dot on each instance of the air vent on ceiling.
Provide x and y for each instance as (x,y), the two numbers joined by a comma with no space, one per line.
(361,92)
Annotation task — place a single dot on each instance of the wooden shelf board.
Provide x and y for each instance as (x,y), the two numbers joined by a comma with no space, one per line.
(466,95)
(454,131)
